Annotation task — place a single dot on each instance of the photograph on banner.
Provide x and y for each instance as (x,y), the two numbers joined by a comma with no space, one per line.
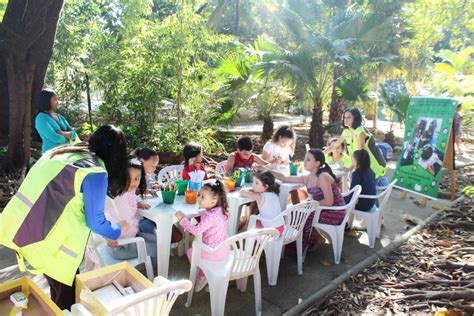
(427,129)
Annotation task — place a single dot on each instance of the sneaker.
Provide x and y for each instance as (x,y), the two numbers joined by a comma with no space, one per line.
(200,284)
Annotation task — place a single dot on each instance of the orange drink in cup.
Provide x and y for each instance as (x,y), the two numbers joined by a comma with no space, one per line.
(190,196)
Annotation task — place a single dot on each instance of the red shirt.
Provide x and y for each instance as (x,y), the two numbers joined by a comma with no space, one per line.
(240,162)
(190,168)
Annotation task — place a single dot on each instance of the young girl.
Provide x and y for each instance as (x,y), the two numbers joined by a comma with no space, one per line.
(364,176)
(192,153)
(124,208)
(280,148)
(212,226)
(337,156)
(149,159)
(265,193)
(243,157)
(322,186)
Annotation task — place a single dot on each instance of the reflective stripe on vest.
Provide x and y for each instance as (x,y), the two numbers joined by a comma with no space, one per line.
(44,222)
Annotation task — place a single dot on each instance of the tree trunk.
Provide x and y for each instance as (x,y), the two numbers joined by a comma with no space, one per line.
(316,131)
(26,42)
(267,129)
(337,103)
(3,104)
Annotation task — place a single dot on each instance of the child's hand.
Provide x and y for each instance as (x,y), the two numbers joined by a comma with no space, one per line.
(156,186)
(112,243)
(143,205)
(179,215)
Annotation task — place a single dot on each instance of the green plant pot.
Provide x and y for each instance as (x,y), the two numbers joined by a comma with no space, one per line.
(248,176)
(293,169)
(238,181)
(182,186)
(168,196)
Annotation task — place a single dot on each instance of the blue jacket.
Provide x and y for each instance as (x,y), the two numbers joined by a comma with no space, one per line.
(48,129)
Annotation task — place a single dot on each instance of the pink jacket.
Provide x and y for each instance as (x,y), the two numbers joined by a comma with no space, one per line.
(123,207)
(213,227)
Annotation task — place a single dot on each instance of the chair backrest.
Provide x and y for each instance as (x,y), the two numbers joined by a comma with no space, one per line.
(170,173)
(295,219)
(385,195)
(153,301)
(221,169)
(355,191)
(247,248)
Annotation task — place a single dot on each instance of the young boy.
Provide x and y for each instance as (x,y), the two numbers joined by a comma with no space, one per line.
(243,157)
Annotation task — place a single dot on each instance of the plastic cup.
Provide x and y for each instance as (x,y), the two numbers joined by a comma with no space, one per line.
(238,181)
(168,196)
(195,186)
(230,184)
(293,169)
(190,196)
(182,185)
(248,176)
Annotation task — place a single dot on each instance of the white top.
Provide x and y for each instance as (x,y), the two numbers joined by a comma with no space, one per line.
(274,151)
(269,208)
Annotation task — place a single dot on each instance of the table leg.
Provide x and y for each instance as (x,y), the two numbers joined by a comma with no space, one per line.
(284,193)
(234,217)
(164,226)
(345,182)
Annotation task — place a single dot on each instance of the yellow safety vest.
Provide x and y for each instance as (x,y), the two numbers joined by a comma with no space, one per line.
(44,222)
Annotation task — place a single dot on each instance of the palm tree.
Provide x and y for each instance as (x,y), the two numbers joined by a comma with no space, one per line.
(456,73)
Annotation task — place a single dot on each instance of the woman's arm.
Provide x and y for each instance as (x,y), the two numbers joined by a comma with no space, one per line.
(334,145)
(94,189)
(253,195)
(69,128)
(325,182)
(46,131)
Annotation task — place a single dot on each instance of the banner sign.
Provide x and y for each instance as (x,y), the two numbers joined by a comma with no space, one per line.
(427,127)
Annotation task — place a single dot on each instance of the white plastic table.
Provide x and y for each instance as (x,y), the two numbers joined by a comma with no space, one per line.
(164,217)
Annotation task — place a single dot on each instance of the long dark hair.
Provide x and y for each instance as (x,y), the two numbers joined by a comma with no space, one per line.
(363,159)
(144,153)
(323,167)
(141,190)
(357,122)
(44,100)
(108,143)
(218,189)
(284,131)
(191,150)
(268,179)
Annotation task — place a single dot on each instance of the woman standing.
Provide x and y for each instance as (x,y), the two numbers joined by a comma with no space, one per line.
(48,221)
(52,127)
(357,137)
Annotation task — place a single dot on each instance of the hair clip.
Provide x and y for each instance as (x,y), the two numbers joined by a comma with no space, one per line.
(135,162)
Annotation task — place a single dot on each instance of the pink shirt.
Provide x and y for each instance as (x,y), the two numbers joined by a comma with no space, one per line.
(123,208)
(213,227)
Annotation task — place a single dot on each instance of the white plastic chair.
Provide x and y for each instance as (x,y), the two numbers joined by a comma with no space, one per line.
(295,218)
(99,246)
(153,301)
(221,169)
(170,174)
(243,260)
(373,220)
(336,232)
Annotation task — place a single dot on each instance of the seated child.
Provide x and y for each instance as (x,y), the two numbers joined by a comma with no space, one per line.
(212,225)
(124,208)
(365,177)
(338,157)
(192,153)
(243,157)
(280,148)
(265,192)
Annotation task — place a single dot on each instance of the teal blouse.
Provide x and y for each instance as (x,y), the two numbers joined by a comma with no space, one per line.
(48,129)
